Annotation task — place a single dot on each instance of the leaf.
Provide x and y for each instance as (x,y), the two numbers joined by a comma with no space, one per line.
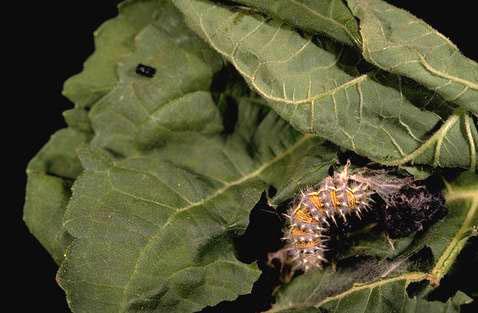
(398,42)
(50,175)
(113,40)
(313,86)
(384,295)
(53,170)
(154,231)
(141,112)
(165,189)
(384,298)
(155,213)
(331,17)
(373,242)
(380,285)
(448,237)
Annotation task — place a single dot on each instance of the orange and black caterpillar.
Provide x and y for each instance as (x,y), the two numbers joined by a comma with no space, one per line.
(333,200)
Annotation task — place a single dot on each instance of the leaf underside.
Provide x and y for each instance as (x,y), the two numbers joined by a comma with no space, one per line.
(314,84)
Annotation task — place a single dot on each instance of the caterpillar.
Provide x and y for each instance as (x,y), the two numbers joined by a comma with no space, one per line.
(333,200)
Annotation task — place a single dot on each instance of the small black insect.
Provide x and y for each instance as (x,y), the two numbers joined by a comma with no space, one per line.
(145,70)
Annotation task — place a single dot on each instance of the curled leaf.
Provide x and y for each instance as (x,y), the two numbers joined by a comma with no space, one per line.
(400,43)
(314,86)
(50,175)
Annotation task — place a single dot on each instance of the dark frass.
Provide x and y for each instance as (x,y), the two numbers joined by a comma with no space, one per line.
(145,70)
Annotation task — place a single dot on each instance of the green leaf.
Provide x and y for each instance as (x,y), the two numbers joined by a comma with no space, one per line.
(317,89)
(372,241)
(383,295)
(53,170)
(140,112)
(330,17)
(448,237)
(398,42)
(154,231)
(113,40)
(50,175)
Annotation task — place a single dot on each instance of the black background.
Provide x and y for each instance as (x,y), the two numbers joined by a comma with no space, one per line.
(48,42)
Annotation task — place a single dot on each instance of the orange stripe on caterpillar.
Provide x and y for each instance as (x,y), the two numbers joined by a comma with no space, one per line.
(333,198)
(351,200)
(314,198)
(302,214)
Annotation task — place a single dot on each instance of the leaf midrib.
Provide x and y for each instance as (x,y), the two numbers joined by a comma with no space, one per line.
(453,249)
(436,138)
(409,277)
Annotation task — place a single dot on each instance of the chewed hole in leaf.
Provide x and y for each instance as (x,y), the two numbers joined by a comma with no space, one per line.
(271,192)
(262,234)
(261,237)
(259,300)
(422,261)
(230,115)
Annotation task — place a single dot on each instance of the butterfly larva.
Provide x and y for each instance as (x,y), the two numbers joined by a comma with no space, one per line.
(331,201)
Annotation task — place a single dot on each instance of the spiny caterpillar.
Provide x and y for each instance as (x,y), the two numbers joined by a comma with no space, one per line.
(333,200)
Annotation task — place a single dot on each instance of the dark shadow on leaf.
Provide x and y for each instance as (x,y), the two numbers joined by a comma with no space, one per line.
(418,95)
(415,288)
(357,160)
(229,117)
(271,191)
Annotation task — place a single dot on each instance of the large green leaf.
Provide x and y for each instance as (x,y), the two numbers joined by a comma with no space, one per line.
(317,89)
(398,42)
(372,285)
(50,175)
(154,231)
(330,17)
